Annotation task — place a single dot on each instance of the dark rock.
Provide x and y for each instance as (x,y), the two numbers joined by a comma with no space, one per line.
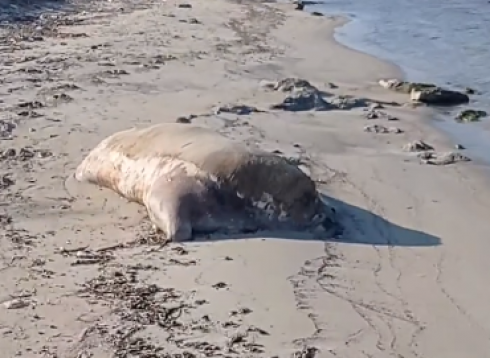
(470,115)
(316,13)
(238,109)
(185,6)
(304,99)
(439,96)
(299,5)
(469,90)
(186,119)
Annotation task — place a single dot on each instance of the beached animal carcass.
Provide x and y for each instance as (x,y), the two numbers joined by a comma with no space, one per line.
(192,179)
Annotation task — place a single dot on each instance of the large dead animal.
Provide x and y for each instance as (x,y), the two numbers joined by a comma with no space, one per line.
(193,179)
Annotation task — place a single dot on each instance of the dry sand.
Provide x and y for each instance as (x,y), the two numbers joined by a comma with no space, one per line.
(406,278)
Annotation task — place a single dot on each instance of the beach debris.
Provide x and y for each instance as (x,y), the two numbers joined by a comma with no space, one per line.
(88,257)
(470,115)
(404,86)
(186,119)
(24,153)
(239,109)
(348,102)
(219,285)
(446,158)
(304,99)
(417,146)
(375,114)
(286,85)
(6,181)
(306,352)
(299,5)
(6,129)
(116,72)
(17,303)
(427,93)
(374,106)
(376,128)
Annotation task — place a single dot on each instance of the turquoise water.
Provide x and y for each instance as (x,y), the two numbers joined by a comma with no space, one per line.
(446,42)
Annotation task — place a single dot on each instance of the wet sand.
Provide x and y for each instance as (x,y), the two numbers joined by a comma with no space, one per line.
(82,273)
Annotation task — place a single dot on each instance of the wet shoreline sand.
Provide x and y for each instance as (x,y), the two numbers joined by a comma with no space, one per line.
(80,270)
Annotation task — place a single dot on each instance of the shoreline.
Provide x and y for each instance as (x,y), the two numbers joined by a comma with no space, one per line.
(395,283)
(440,120)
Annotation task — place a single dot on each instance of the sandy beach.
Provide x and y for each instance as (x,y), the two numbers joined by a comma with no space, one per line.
(80,273)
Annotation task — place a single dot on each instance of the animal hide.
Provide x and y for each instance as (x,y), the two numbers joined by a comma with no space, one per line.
(187,175)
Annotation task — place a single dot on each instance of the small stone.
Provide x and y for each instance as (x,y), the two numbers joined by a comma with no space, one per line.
(417,146)
(220,285)
(460,147)
(16,303)
(184,6)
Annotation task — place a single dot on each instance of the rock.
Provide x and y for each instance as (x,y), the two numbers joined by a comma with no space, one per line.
(287,84)
(403,86)
(460,147)
(299,5)
(425,92)
(186,119)
(442,158)
(417,146)
(316,13)
(439,96)
(304,99)
(470,115)
(376,128)
(373,106)
(347,102)
(184,6)
(238,109)
(16,304)
(469,90)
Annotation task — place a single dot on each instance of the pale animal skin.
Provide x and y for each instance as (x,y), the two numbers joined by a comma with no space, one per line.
(191,178)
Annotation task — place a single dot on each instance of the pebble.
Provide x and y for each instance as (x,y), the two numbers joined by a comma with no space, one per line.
(16,303)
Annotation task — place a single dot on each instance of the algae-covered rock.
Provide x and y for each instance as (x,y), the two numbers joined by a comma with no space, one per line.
(404,86)
(470,115)
(427,93)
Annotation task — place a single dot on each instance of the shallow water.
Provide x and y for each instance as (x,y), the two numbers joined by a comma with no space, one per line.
(446,42)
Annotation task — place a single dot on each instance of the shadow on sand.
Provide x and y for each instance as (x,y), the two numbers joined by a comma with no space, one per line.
(353,225)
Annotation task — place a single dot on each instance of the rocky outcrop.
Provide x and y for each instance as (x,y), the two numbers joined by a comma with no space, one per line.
(304,99)
(427,93)
(470,115)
